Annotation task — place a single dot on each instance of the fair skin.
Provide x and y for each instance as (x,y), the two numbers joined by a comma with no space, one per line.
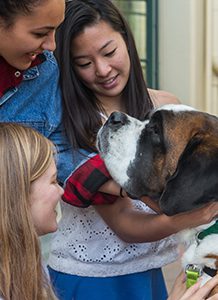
(45,194)
(104,68)
(31,34)
(196,292)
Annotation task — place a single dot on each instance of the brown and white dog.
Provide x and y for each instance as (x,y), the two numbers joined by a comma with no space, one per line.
(172,157)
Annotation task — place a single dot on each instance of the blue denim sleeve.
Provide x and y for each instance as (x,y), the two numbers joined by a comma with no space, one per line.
(67,159)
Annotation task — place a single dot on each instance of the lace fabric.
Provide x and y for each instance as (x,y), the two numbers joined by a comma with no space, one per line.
(84,245)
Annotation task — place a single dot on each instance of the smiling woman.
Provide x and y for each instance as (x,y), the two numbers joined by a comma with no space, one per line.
(29,89)
(28,195)
(29,75)
(30,33)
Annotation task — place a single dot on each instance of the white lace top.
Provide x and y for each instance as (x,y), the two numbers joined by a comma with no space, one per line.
(84,245)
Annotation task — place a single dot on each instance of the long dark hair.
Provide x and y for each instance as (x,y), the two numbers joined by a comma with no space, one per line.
(9,9)
(80,107)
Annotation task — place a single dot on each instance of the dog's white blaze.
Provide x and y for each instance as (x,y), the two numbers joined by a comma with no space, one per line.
(123,150)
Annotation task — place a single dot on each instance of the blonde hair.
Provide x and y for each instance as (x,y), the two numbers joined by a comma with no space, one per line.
(24,156)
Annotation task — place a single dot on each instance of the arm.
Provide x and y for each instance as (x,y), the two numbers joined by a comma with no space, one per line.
(82,186)
(134,226)
(103,188)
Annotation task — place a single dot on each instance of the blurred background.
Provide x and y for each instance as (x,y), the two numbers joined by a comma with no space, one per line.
(178,45)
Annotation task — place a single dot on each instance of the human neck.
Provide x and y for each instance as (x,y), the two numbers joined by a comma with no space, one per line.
(111,104)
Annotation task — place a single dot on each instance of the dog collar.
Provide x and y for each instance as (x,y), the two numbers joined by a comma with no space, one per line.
(193,272)
(210,230)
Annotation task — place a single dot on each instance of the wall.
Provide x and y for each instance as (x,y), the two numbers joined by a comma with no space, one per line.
(211,71)
(181,49)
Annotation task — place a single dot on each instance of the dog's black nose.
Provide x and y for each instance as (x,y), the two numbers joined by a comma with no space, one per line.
(117,119)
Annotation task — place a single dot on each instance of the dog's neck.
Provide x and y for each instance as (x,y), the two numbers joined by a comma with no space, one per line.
(201,255)
(210,230)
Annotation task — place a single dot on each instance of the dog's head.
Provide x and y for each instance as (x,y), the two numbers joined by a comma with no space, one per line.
(173,156)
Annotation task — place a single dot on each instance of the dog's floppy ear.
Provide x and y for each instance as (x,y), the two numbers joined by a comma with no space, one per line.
(195,181)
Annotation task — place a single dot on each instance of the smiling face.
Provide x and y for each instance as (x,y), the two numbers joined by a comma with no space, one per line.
(101,60)
(31,34)
(44,196)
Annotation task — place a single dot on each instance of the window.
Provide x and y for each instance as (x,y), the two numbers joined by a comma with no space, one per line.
(142,18)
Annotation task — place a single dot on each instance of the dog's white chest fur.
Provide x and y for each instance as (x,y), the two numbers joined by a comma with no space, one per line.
(200,252)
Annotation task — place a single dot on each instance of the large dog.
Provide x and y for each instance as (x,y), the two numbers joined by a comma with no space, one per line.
(172,157)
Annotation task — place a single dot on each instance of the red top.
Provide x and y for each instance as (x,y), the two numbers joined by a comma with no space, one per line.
(10,77)
(83,184)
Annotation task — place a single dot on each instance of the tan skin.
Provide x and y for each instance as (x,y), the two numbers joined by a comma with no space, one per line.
(196,292)
(104,68)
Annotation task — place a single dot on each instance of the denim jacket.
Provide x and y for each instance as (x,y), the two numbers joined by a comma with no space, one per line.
(36,102)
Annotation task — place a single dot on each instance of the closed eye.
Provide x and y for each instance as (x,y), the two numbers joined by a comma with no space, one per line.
(40,34)
(111,53)
(84,65)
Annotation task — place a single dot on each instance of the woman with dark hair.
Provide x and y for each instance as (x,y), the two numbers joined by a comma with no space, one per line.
(80,99)
(106,251)
(29,90)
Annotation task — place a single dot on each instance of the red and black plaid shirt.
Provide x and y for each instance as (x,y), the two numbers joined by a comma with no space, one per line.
(82,186)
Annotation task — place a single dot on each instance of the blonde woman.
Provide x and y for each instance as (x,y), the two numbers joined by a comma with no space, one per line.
(29,194)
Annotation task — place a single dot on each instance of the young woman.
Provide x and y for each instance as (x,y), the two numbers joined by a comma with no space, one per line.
(29,91)
(106,251)
(29,194)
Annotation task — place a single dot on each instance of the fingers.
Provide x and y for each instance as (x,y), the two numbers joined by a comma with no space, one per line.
(190,294)
(207,288)
(210,211)
(214,297)
(200,293)
(178,288)
(204,214)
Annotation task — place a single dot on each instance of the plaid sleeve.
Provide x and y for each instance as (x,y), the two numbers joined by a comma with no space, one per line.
(82,186)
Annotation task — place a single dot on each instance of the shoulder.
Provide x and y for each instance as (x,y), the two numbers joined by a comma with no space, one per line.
(49,56)
(160,97)
(48,70)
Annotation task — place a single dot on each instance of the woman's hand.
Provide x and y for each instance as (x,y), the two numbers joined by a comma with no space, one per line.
(195,292)
(196,217)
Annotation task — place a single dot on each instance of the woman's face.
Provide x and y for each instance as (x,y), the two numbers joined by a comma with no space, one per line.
(101,60)
(30,34)
(45,194)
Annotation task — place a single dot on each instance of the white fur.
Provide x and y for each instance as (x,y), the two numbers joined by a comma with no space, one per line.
(197,250)
(122,150)
(122,144)
(176,107)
